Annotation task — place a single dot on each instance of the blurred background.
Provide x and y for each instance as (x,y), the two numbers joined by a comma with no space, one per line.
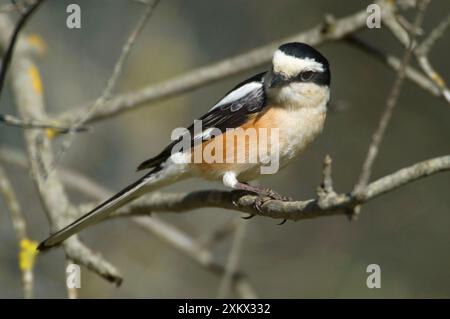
(406,232)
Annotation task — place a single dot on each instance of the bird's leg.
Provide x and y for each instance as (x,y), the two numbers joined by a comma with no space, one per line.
(264,194)
(270,195)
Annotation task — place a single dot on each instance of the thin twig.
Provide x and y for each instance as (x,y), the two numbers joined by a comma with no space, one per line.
(33,124)
(391,102)
(422,51)
(219,234)
(336,204)
(196,252)
(141,1)
(30,105)
(52,192)
(296,210)
(327,184)
(217,71)
(173,236)
(412,74)
(426,45)
(168,233)
(6,58)
(233,260)
(20,228)
(84,115)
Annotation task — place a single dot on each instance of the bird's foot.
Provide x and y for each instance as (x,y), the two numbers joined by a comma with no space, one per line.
(266,196)
(236,195)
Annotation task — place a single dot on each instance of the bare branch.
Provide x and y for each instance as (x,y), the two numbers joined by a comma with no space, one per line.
(327,184)
(196,252)
(6,58)
(219,234)
(426,45)
(338,204)
(20,228)
(220,70)
(33,124)
(141,1)
(422,57)
(233,260)
(394,63)
(30,105)
(391,102)
(170,234)
(422,50)
(85,114)
(426,66)
(175,237)
(24,78)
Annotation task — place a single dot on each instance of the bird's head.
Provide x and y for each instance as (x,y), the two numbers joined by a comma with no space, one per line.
(299,74)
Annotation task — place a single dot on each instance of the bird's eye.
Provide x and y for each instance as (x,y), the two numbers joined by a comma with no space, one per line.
(306,75)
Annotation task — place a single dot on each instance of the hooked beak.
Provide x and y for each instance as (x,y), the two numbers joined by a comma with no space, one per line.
(277,80)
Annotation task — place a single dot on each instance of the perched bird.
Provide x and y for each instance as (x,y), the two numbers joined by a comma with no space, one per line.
(290,101)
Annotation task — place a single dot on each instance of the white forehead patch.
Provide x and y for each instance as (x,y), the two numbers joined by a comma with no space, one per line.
(292,66)
(238,93)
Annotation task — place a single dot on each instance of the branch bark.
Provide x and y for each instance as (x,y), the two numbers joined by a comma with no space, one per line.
(333,204)
(391,102)
(394,63)
(193,248)
(421,50)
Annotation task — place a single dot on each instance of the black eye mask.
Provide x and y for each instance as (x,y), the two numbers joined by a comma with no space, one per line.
(319,78)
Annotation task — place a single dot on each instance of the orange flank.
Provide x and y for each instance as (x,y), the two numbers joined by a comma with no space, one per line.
(241,146)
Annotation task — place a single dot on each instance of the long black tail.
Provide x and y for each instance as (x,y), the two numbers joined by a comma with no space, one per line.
(129,193)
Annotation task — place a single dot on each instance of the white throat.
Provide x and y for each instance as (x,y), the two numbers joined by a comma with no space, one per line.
(301,95)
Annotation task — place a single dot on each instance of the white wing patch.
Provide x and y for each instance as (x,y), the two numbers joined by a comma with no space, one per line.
(238,93)
(207,134)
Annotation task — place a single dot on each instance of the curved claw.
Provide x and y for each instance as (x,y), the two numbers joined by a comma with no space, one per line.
(284,221)
(258,203)
(248,217)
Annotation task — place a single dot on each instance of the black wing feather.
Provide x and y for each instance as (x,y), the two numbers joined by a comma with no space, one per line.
(228,115)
